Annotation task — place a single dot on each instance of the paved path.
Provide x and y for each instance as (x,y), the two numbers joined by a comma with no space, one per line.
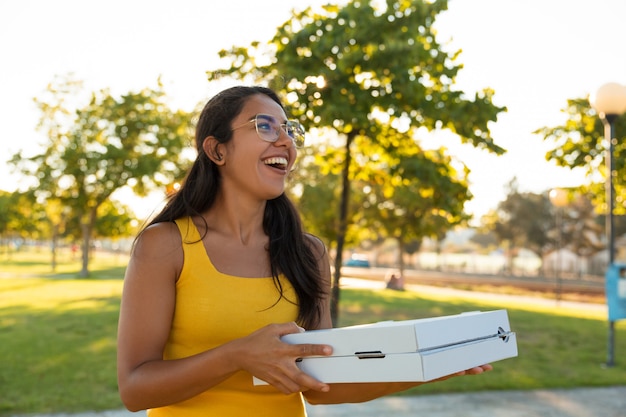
(580,402)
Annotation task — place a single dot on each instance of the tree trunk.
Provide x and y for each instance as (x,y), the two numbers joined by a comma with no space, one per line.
(55,244)
(86,228)
(343,227)
(401,255)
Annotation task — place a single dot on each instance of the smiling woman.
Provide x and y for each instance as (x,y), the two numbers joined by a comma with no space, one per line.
(233,272)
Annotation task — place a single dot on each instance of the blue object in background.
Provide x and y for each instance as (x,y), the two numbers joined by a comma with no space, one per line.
(616,291)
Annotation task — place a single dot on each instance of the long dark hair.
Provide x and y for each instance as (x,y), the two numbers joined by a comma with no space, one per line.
(291,252)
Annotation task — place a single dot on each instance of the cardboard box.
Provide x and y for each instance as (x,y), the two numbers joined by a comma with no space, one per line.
(409,350)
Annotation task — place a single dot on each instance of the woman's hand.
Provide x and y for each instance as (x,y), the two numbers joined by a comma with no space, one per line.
(265,356)
(476,370)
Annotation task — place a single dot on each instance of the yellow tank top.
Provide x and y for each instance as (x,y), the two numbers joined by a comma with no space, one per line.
(213,308)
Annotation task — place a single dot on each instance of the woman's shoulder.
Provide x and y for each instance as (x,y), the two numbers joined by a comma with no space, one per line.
(158,239)
(161,229)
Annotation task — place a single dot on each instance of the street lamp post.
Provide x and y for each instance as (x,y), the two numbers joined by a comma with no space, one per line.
(558,198)
(610,103)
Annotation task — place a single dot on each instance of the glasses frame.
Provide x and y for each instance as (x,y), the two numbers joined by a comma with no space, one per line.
(291,128)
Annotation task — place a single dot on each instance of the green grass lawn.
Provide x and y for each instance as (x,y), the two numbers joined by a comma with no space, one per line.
(57,337)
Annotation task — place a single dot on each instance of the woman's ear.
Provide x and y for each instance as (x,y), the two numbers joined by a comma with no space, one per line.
(213,149)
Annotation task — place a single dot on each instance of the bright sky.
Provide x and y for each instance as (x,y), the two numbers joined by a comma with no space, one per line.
(535,54)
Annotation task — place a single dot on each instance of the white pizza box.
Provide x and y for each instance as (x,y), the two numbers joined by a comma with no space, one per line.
(408,350)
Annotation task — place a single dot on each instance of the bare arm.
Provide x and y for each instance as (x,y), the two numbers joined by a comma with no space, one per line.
(145,379)
(360,392)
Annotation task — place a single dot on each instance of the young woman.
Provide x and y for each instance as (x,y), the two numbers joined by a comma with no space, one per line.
(225,270)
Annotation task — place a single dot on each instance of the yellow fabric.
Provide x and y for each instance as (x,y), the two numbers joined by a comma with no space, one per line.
(213,308)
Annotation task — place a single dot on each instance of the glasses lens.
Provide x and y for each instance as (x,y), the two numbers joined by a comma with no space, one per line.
(296,132)
(267,127)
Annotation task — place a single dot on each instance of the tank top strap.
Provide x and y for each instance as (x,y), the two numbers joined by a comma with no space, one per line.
(193,248)
(188,231)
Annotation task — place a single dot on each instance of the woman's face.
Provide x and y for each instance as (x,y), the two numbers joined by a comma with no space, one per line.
(251,164)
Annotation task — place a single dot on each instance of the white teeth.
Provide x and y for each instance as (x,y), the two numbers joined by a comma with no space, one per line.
(276,161)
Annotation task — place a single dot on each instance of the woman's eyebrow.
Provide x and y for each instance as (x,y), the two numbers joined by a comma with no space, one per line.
(271,118)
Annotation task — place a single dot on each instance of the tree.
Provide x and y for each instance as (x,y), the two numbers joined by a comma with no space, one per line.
(357,68)
(115,221)
(20,216)
(485,242)
(522,220)
(529,220)
(579,228)
(111,142)
(583,231)
(579,143)
(412,195)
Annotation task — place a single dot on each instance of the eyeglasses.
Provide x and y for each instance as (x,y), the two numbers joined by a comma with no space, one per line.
(269,129)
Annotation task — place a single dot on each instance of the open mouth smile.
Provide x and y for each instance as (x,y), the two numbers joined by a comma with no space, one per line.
(277,162)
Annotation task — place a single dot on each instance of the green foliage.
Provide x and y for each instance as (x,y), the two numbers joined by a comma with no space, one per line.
(406,196)
(579,143)
(20,215)
(582,229)
(525,219)
(374,76)
(412,193)
(108,143)
(95,149)
(114,220)
(340,65)
(529,220)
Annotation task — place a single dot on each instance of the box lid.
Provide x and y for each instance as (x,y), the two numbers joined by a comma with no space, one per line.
(408,336)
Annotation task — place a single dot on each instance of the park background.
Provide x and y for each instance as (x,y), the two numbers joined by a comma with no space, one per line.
(534,55)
